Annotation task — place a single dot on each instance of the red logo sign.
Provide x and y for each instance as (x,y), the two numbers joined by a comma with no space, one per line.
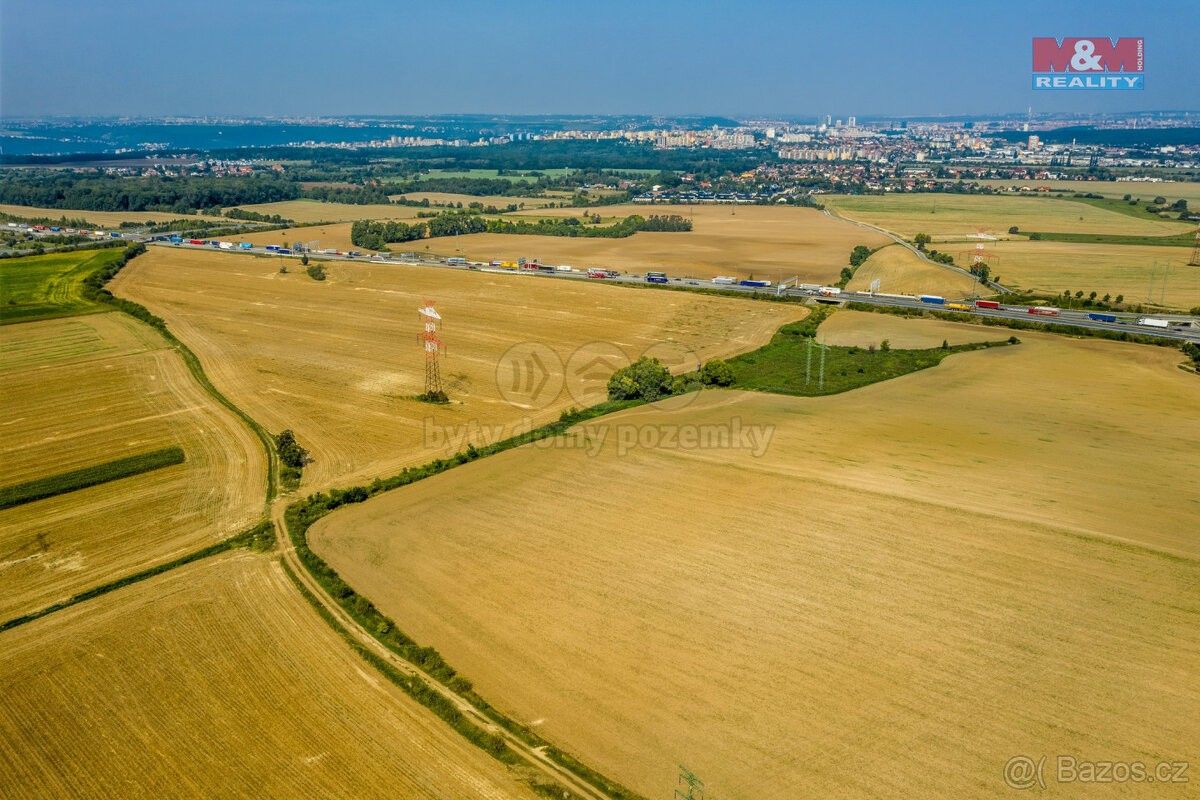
(1088,54)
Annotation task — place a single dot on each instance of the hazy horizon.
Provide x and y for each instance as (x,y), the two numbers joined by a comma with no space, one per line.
(295,58)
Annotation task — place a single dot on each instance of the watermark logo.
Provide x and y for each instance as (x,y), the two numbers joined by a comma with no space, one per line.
(531,375)
(1089,63)
(624,437)
(1024,772)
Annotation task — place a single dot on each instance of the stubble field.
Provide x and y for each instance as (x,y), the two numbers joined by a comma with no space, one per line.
(901,271)
(1134,271)
(87,390)
(953,216)
(101,219)
(315,211)
(895,576)
(325,236)
(766,242)
(217,680)
(338,361)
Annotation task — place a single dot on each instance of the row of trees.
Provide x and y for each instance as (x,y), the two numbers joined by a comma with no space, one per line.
(110,193)
(377,235)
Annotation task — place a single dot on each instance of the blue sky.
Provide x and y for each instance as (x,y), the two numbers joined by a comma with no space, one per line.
(134,57)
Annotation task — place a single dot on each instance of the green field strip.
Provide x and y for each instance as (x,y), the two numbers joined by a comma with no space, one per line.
(65,482)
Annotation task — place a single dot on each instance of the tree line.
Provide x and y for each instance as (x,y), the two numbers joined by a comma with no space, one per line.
(111,193)
(376,235)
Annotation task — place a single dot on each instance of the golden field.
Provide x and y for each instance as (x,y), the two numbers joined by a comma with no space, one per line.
(1000,551)
(901,271)
(88,390)
(335,236)
(100,219)
(954,216)
(217,680)
(315,211)
(339,363)
(864,328)
(767,242)
(1130,270)
(1145,190)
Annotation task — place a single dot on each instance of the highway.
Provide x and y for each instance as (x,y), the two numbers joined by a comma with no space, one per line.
(1189,332)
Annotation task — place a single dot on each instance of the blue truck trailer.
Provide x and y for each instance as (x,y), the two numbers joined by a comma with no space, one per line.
(932,299)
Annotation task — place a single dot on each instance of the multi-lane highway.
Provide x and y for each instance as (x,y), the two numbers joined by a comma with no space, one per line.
(1181,329)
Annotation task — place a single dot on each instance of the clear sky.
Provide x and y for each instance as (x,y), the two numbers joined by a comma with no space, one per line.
(277,57)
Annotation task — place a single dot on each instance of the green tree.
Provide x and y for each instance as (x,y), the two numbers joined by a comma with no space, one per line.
(922,239)
(716,373)
(859,254)
(644,379)
(1120,299)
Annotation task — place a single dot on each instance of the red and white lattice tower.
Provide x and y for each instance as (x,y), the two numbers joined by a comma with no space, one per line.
(1195,260)
(431,343)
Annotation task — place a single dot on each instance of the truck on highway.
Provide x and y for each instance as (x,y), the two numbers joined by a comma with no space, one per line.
(829,291)
(656,277)
(992,304)
(246,245)
(226,245)
(758,284)
(330,251)
(176,240)
(932,299)
(724,280)
(1102,317)
(1151,322)
(958,306)
(195,241)
(1043,311)
(272,248)
(456,261)
(596,272)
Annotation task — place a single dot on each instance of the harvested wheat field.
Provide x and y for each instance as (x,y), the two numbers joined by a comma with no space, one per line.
(217,680)
(767,242)
(958,215)
(338,361)
(98,218)
(84,391)
(901,271)
(1132,270)
(864,328)
(315,211)
(322,236)
(985,552)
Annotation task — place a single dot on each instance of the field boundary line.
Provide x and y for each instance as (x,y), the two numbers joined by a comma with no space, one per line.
(369,625)
(86,477)
(94,289)
(254,538)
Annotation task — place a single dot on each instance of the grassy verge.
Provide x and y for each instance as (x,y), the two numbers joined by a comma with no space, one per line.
(260,538)
(790,362)
(94,475)
(300,516)
(93,290)
(1178,240)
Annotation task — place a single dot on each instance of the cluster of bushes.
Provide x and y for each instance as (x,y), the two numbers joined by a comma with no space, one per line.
(569,226)
(858,255)
(357,195)
(292,456)
(377,235)
(249,216)
(483,187)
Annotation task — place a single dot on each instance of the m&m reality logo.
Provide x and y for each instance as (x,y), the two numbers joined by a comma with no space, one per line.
(1089,62)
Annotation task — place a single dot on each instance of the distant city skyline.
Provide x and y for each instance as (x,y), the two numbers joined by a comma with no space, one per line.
(770,59)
